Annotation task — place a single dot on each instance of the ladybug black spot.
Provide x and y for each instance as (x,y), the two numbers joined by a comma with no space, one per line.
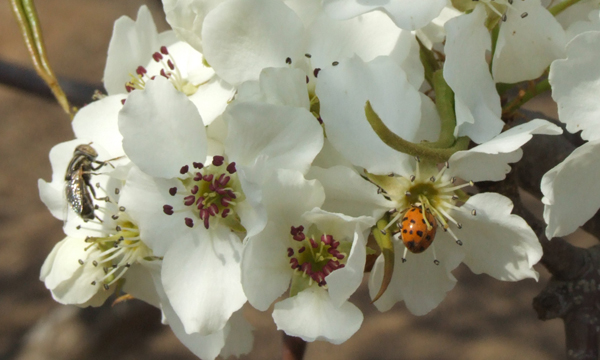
(423,220)
(410,245)
(404,231)
(420,233)
(428,237)
(406,218)
(411,232)
(412,221)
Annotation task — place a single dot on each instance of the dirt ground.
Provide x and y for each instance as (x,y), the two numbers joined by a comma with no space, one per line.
(481,318)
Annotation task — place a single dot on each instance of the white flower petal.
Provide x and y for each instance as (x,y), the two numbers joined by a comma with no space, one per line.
(311,315)
(266,272)
(143,197)
(419,282)
(132,45)
(201,277)
(239,336)
(241,37)
(575,82)
(98,121)
(287,137)
(407,14)
(537,37)
(467,72)
(186,18)
(139,281)
(489,161)
(495,241)
(343,282)
(570,189)
(367,36)
(162,130)
(343,91)
(348,193)
(277,86)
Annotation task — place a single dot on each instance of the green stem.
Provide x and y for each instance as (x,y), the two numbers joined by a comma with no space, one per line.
(560,7)
(530,93)
(397,143)
(429,61)
(444,102)
(24,11)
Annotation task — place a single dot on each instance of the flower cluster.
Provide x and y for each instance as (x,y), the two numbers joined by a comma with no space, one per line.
(266,148)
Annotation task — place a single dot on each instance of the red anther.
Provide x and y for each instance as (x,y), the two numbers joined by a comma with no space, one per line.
(224,181)
(173,191)
(218,160)
(184,169)
(141,71)
(290,252)
(157,56)
(316,72)
(307,268)
(320,120)
(339,256)
(170,64)
(197,176)
(208,177)
(313,243)
(341,266)
(301,250)
(326,239)
(153,77)
(231,168)
(335,244)
(225,201)
(294,263)
(296,230)
(221,191)
(326,270)
(206,224)
(307,80)
(168,209)
(189,200)
(220,178)
(332,251)
(123,101)
(189,222)
(198,165)
(163,50)
(212,187)
(231,194)
(194,189)
(200,202)
(299,237)
(129,88)
(164,74)
(203,214)
(225,213)
(213,209)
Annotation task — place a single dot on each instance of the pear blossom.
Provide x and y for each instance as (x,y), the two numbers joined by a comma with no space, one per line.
(574,83)
(137,53)
(193,204)
(475,227)
(526,31)
(321,254)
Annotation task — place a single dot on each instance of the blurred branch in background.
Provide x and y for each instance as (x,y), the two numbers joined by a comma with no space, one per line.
(26,79)
(573,292)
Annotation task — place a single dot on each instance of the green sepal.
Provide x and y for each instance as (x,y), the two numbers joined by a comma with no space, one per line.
(387,250)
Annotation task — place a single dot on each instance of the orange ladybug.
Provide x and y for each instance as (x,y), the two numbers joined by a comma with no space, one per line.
(415,235)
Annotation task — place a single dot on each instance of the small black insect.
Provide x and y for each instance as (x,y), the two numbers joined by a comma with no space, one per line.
(78,189)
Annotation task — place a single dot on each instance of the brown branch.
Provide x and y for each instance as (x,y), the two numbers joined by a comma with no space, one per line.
(573,292)
(293,348)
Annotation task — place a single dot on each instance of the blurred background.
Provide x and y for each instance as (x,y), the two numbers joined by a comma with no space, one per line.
(480,319)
